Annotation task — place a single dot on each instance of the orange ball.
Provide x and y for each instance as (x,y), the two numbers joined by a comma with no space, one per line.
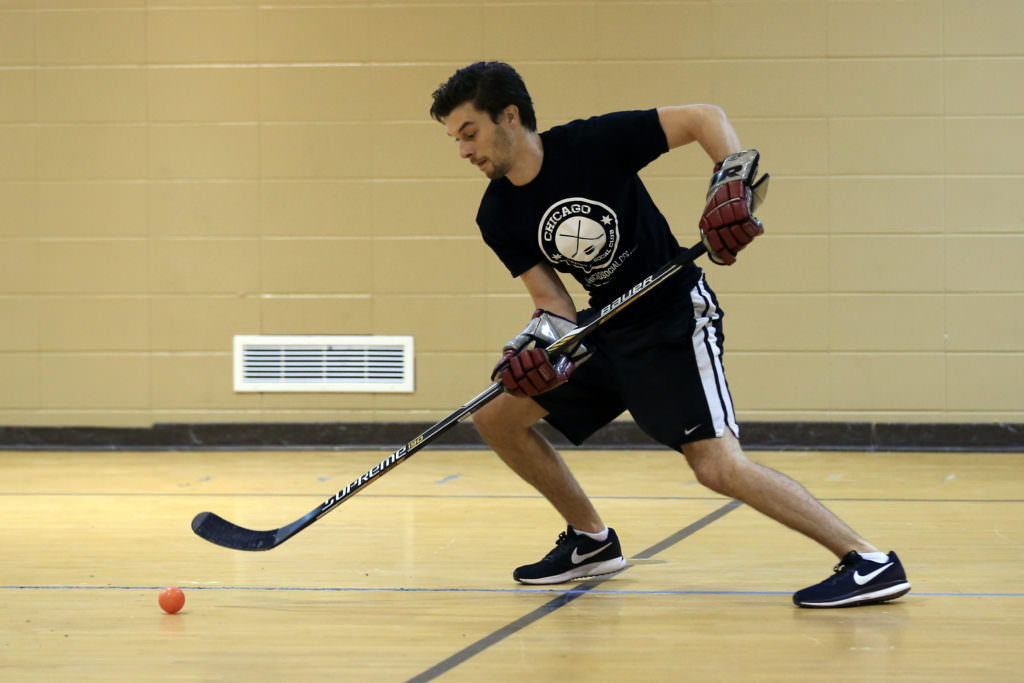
(172,600)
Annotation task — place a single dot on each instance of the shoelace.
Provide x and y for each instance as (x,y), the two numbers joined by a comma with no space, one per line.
(844,564)
(563,538)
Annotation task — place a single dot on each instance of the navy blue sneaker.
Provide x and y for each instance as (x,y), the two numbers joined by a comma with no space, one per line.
(857,581)
(574,557)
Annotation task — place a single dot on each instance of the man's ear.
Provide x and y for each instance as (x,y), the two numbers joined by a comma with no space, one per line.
(510,113)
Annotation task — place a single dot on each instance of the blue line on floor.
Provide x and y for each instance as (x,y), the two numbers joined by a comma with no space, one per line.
(399,589)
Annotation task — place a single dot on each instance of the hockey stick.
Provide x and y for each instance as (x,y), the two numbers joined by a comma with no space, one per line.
(216,529)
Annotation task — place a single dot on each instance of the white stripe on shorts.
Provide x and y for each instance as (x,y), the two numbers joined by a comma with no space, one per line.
(707,348)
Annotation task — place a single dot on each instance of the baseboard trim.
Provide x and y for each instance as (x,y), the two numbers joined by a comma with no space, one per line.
(855,436)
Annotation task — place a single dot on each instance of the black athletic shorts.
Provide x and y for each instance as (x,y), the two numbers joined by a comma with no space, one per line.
(665,367)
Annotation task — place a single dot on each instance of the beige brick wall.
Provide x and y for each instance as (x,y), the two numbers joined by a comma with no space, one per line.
(173,172)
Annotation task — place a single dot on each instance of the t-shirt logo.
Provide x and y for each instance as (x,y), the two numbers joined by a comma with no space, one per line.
(580,232)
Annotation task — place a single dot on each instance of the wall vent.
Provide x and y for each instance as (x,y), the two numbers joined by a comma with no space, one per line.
(323,363)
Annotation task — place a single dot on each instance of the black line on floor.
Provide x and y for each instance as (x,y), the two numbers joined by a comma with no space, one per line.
(687,531)
(564,599)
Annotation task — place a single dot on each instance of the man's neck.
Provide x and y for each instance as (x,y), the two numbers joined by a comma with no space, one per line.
(528,161)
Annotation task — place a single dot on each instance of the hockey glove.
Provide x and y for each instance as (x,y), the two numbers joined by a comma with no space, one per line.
(525,368)
(728,223)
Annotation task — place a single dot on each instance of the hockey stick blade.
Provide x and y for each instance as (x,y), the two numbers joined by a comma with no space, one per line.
(216,529)
(220,531)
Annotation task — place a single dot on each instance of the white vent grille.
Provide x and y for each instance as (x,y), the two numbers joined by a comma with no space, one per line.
(323,363)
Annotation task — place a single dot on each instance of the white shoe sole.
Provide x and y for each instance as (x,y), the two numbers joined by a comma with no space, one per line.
(581,572)
(881,595)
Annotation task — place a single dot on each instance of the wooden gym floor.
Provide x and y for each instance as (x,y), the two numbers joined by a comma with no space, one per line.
(411,579)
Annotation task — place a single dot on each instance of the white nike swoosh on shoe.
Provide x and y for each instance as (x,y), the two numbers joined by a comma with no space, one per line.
(860,580)
(577,558)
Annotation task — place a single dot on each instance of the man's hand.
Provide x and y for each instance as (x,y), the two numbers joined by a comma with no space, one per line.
(525,368)
(728,224)
(529,372)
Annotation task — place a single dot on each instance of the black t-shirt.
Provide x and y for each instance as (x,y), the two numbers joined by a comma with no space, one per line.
(587,211)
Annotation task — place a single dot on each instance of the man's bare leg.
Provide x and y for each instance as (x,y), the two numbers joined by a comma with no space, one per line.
(506,424)
(721,465)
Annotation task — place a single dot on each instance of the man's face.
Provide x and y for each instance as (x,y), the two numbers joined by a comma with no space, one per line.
(487,145)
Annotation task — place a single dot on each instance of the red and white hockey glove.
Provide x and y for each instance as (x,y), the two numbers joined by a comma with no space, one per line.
(728,224)
(530,372)
(525,369)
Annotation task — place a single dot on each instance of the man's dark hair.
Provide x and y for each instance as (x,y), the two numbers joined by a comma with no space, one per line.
(490,86)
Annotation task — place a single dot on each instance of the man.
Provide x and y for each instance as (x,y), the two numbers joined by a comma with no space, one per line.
(569,200)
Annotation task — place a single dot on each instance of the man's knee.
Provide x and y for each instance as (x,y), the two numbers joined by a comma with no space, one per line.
(715,462)
(712,474)
(506,415)
(489,419)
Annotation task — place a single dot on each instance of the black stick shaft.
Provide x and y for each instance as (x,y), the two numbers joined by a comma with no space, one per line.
(218,530)
(411,447)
